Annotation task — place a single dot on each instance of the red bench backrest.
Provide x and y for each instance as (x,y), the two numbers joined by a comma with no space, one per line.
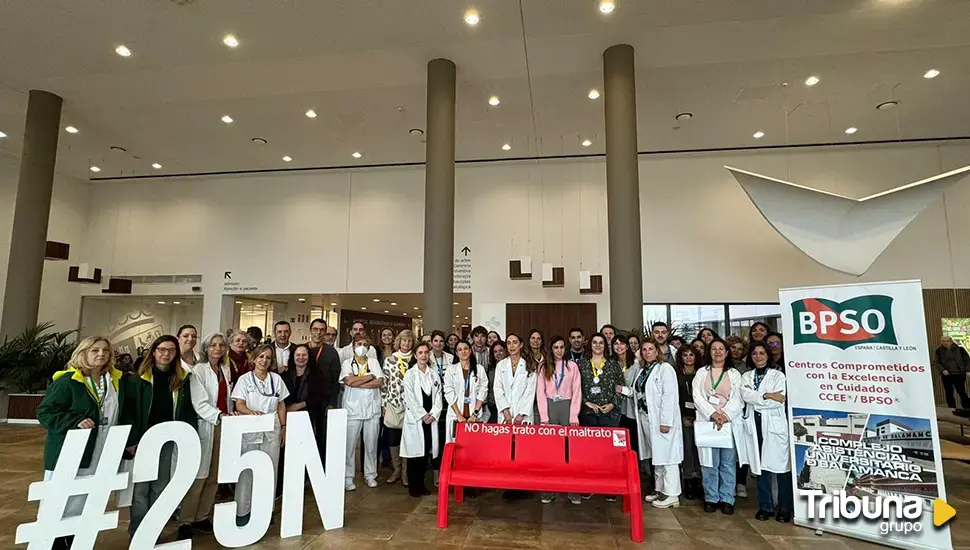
(539,452)
(598,454)
(482,450)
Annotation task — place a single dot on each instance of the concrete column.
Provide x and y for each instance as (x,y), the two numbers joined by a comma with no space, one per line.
(439,192)
(623,187)
(31,212)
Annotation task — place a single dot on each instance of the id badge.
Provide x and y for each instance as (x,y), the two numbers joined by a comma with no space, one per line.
(556,398)
(713,400)
(468,400)
(689,405)
(595,390)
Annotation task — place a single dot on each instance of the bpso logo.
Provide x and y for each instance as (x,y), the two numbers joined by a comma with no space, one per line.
(895,514)
(860,320)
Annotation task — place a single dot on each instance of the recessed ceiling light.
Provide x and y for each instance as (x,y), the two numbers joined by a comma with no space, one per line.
(587,143)
(758,135)
(932,73)
(287,158)
(494,100)
(386,311)
(419,316)
(2,135)
(469,307)
(364,308)
(238,302)
(506,147)
(302,300)
(393,303)
(684,116)
(851,130)
(161,302)
(607,6)
(416,132)
(811,81)
(230,40)
(377,300)
(123,51)
(70,130)
(177,303)
(227,119)
(157,166)
(887,105)
(416,308)
(472,18)
(333,303)
(259,141)
(455,303)
(594,93)
(405,314)
(311,114)
(356,155)
(95,169)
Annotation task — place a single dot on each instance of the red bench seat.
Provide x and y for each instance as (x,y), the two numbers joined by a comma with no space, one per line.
(550,459)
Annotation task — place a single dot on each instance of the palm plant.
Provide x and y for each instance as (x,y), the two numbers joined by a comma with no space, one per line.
(28,361)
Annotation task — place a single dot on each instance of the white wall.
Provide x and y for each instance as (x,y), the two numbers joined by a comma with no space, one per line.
(361,231)
(59,300)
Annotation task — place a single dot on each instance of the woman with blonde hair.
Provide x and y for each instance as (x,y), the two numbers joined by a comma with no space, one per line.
(87,394)
(159,393)
(392,400)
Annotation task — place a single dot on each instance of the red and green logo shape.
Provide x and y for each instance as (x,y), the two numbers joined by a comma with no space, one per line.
(860,320)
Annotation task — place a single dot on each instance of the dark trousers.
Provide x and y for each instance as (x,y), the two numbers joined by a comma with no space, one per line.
(956,382)
(417,471)
(786,502)
(611,420)
(742,475)
(492,413)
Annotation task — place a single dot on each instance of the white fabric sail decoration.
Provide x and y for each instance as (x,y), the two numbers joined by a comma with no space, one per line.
(841,233)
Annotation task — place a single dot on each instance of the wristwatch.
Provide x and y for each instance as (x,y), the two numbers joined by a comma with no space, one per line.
(477,412)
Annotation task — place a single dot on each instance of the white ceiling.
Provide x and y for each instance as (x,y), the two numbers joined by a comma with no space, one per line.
(361,66)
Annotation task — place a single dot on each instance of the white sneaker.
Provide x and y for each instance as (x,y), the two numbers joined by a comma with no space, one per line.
(742,491)
(651,497)
(666,502)
(575,500)
(349,486)
(436,476)
(372,483)
(546,499)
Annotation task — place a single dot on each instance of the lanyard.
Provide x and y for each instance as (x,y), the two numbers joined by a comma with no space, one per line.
(561,377)
(319,351)
(719,378)
(99,394)
(441,364)
(597,371)
(623,367)
(641,381)
(261,386)
(402,364)
(357,367)
(468,380)
(758,378)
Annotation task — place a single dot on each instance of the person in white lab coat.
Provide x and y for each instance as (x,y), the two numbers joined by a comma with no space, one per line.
(422,398)
(659,428)
(466,387)
(440,359)
(717,396)
(765,443)
(260,392)
(211,382)
(362,378)
(515,385)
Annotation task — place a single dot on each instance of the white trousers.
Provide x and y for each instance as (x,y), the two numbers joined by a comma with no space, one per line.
(244,489)
(370,428)
(667,479)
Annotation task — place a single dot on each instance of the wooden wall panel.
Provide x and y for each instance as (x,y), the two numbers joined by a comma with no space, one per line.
(551,319)
(937,304)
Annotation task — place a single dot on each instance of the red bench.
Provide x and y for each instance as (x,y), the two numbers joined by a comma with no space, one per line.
(547,458)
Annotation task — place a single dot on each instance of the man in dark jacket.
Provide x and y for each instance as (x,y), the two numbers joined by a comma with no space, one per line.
(325,359)
(953,363)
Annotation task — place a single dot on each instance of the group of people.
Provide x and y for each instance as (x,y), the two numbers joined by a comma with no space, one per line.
(405,396)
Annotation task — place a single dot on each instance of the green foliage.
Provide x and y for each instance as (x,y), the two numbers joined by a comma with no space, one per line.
(28,361)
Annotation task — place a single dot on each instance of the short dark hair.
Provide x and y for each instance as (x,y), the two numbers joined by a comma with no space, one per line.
(318,320)
(278,324)
(439,333)
(659,324)
(677,338)
(577,329)
(183,327)
(355,323)
(607,326)
(479,330)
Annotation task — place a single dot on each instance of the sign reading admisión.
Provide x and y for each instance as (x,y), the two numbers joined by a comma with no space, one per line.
(865,447)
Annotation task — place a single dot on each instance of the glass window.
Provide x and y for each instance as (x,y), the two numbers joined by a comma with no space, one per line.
(688,320)
(744,315)
(653,313)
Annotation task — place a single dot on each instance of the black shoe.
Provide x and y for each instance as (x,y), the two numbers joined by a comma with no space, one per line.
(782,517)
(204,526)
(727,509)
(762,515)
(185,532)
(710,507)
(242,520)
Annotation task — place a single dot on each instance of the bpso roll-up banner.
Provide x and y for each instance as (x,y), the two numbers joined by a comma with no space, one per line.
(865,445)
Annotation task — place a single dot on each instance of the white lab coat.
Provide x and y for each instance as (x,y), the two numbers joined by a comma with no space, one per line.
(455,392)
(733,408)
(442,363)
(361,403)
(517,392)
(205,392)
(662,397)
(774,455)
(412,436)
(264,396)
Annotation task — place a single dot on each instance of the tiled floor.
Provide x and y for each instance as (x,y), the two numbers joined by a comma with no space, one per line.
(387,518)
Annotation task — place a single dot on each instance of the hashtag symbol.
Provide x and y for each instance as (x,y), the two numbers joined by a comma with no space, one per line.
(65,483)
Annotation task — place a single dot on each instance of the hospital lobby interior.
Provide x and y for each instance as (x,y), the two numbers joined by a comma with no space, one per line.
(442,165)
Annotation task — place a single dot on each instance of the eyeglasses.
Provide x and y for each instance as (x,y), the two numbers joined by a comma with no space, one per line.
(165,350)
(774,344)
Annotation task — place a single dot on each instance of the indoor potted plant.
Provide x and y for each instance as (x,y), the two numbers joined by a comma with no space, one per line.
(27,363)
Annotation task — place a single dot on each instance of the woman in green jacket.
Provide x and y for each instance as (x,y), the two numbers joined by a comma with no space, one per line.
(86,395)
(159,393)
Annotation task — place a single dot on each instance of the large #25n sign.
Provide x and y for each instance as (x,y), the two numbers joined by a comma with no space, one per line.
(860,320)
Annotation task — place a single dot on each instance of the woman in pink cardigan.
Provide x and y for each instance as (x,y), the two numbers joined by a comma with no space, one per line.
(559,396)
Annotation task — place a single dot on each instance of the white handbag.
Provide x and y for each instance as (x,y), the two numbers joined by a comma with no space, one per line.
(706,434)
